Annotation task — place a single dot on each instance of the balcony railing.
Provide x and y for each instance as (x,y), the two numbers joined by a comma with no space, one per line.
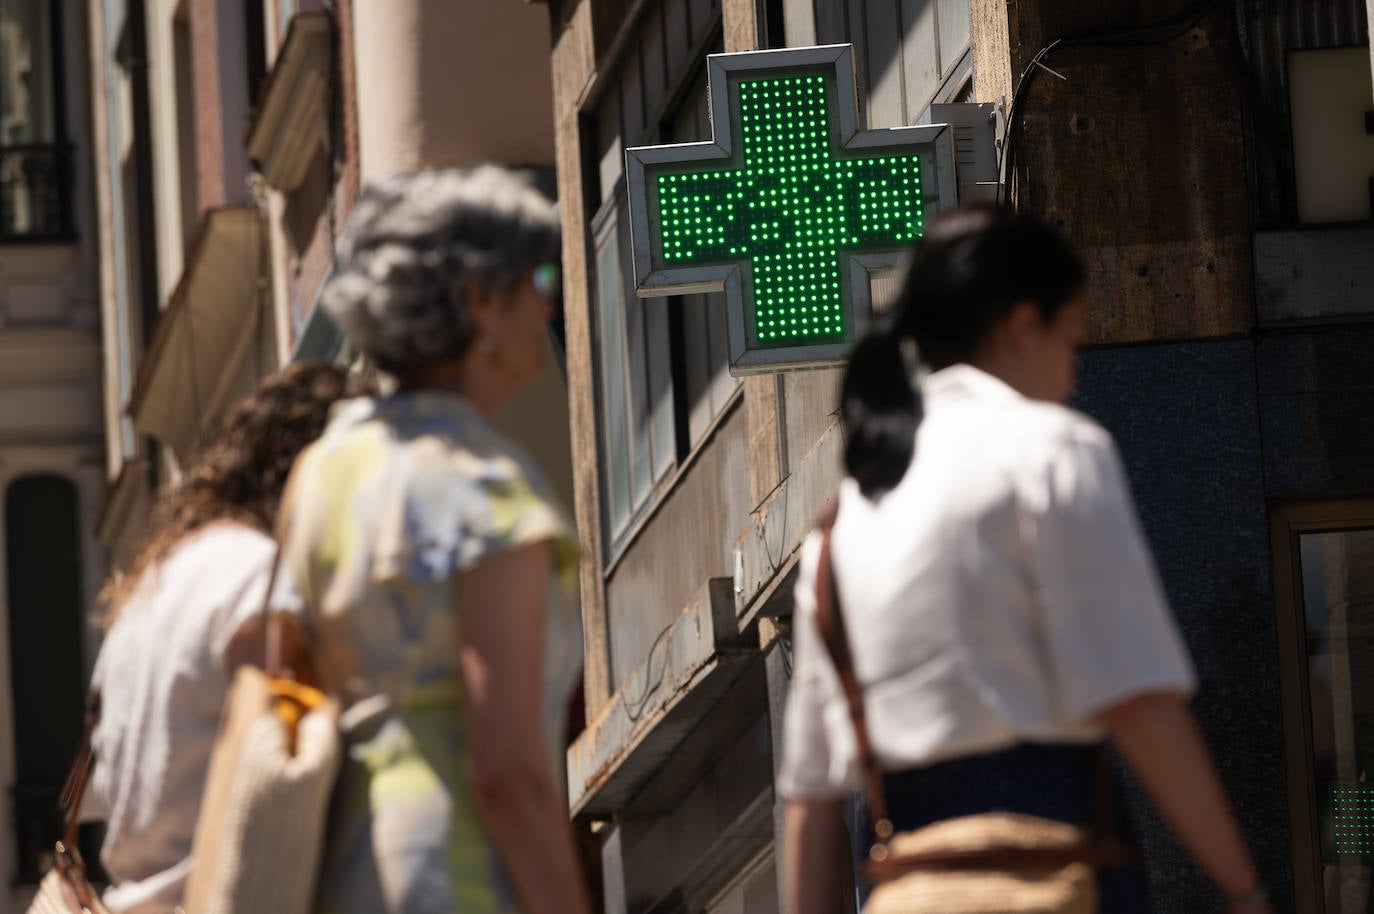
(36,193)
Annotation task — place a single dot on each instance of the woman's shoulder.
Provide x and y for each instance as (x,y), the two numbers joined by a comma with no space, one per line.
(1052,428)
(463,488)
(220,543)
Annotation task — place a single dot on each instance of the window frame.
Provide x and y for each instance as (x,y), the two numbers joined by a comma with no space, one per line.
(611,215)
(1287,524)
(59,146)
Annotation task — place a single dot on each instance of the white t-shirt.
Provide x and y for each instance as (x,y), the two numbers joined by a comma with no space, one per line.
(163,681)
(1001,593)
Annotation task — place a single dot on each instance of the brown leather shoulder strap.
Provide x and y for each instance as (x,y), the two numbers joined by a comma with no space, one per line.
(74,790)
(830,622)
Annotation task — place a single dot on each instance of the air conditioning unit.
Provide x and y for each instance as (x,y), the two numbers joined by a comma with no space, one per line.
(1332,103)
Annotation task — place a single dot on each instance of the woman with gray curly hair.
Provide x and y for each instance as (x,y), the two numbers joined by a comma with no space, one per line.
(432,566)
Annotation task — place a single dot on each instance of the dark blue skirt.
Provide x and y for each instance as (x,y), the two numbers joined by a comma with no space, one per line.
(1049,781)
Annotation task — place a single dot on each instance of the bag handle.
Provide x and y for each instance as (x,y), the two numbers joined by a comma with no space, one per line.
(74,789)
(273,626)
(1104,849)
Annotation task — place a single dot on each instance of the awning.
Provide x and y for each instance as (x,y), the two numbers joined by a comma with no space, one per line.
(292,120)
(197,361)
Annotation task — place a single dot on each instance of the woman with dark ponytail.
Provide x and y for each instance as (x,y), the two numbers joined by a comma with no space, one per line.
(1004,616)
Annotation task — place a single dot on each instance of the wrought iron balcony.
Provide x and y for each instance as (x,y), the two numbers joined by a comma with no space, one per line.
(36,193)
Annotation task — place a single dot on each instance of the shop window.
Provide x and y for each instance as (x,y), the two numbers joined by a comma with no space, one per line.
(47,675)
(662,369)
(1324,583)
(35,161)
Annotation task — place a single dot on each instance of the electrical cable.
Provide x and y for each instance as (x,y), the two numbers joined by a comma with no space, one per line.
(634,709)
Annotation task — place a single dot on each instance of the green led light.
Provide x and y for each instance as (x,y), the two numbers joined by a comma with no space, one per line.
(793,209)
(1352,813)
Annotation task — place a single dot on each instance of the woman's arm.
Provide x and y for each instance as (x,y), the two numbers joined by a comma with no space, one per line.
(814,844)
(501,606)
(1159,739)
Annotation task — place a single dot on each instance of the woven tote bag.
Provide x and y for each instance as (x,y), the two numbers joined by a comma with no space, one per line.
(258,841)
(260,835)
(66,890)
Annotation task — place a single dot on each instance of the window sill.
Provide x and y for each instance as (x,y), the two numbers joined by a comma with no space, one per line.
(658,496)
(63,239)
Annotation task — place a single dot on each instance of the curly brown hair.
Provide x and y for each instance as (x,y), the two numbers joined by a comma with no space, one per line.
(240,475)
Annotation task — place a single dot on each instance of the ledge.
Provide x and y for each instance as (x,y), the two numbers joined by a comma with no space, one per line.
(48,355)
(292,119)
(1314,274)
(689,668)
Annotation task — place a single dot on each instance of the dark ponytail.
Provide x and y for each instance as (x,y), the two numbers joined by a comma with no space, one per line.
(879,409)
(971,268)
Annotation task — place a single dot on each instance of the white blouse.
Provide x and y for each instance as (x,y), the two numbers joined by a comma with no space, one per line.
(162,680)
(1001,593)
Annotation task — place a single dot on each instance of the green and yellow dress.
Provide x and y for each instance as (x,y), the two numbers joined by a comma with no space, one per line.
(400,495)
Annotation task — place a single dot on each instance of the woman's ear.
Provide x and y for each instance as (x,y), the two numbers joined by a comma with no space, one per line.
(1022,326)
(482,307)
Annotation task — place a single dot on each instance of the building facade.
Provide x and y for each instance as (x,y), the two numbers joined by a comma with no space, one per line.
(51,450)
(231,140)
(1213,165)
(236,137)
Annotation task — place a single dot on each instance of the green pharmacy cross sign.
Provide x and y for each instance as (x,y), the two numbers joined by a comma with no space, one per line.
(790,208)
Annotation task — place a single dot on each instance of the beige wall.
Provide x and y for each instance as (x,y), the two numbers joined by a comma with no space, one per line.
(427,94)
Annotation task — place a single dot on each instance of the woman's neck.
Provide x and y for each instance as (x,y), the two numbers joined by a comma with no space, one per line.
(458,378)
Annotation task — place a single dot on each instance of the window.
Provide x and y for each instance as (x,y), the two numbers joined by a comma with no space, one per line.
(35,163)
(46,624)
(698,321)
(1324,584)
(662,362)
(908,55)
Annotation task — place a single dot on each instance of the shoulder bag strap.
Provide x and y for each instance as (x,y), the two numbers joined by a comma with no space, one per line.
(830,621)
(274,635)
(74,790)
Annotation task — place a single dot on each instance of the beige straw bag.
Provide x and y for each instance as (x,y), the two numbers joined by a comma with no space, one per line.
(260,834)
(994,863)
(66,889)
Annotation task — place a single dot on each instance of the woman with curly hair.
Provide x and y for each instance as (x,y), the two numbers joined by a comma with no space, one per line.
(436,574)
(179,620)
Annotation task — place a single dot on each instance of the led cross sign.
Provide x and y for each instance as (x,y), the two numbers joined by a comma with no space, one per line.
(789,209)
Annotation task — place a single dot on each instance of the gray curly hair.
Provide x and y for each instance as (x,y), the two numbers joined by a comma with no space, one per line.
(415,242)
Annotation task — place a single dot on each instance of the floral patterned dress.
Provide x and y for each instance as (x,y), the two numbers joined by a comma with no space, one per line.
(398,496)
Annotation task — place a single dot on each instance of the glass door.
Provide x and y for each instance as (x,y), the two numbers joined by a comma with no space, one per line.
(1324,560)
